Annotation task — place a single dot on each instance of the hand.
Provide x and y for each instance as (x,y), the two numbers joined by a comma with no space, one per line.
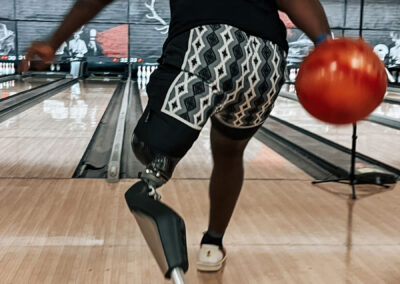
(41,49)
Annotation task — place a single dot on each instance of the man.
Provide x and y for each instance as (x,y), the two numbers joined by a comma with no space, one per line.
(76,46)
(224,60)
(7,41)
(77,49)
(395,50)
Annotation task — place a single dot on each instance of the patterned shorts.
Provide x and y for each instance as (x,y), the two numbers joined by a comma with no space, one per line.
(215,71)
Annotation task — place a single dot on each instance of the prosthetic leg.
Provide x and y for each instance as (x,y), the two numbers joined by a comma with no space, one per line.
(163,229)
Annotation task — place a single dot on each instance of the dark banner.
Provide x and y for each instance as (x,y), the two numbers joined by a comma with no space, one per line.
(153,12)
(335,11)
(96,43)
(7,40)
(146,42)
(150,29)
(53,10)
(31,31)
(381,28)
(110,38)
(382,14)
(7,9)
(93,42)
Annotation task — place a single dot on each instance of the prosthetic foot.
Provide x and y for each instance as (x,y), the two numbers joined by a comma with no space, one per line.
(163,229)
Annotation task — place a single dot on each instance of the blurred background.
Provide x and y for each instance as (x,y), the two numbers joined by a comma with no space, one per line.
(134,30)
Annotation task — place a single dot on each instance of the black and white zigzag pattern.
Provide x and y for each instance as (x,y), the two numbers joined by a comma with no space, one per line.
(227,73)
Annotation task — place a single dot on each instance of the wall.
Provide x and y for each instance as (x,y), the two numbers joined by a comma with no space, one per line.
(136,29)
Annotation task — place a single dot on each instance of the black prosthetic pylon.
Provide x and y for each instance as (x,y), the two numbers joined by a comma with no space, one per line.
(163,229)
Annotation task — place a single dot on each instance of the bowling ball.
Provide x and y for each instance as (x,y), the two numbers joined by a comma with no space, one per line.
(341,81)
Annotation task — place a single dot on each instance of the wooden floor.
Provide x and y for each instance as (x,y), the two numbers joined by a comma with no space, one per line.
(80,231)
(374,140)
(393,95)
(49,139)
(284,230)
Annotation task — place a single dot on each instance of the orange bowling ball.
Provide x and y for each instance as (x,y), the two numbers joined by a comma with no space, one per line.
(341,81)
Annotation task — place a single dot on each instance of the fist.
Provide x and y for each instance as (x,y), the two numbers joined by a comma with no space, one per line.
(41,49)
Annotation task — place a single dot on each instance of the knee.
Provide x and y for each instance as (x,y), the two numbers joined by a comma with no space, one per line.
(159,167)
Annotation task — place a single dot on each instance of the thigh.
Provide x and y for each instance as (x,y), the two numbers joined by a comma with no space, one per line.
(180,100)
(224,147)
(168,124)
(250,102)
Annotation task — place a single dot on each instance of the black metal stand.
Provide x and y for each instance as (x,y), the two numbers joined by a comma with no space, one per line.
(351,179)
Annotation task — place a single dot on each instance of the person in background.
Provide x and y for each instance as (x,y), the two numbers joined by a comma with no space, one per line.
(77,49)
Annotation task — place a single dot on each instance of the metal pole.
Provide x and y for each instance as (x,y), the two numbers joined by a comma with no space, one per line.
(361,17)
(353,161)
(177,276)
(354,137)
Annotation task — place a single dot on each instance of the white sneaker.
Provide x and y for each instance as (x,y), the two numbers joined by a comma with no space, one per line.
(211,258)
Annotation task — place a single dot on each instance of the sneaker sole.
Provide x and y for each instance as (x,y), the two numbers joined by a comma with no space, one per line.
(201,266)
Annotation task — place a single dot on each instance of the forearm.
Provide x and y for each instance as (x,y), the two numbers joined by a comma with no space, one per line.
(81,13)
(308,15)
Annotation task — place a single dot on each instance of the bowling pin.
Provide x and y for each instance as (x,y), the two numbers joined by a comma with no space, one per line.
(52,67)
(144,73)
(58,67)
(394,75)
(292,75)
(139,73)
(148,74)
(139,82)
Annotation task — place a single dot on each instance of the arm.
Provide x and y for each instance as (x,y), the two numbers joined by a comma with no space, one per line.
(81,13)
(308,15)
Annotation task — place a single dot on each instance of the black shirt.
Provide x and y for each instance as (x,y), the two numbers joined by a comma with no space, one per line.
(256,17)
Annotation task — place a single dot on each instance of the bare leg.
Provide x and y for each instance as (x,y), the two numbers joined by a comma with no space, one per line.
(226,179)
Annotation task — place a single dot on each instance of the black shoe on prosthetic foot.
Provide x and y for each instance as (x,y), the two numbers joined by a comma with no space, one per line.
(163,229)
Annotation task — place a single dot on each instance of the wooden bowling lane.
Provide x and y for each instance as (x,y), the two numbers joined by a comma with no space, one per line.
(283,231)
(374,140)
(49,139)
(260,162)
(389,110)
(12,87)
(393,94)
